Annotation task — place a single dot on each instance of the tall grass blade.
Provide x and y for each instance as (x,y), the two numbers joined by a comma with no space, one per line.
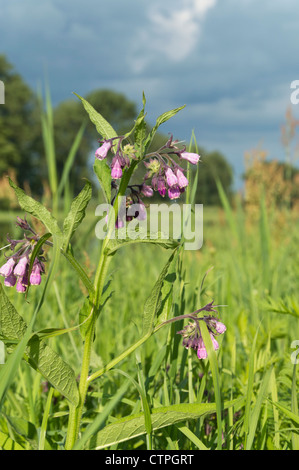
(216,379)
(294,408)
(257,409)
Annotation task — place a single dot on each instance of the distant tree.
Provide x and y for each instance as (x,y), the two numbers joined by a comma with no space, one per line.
(213,167)
(19,124)
(68,118)
(277,182)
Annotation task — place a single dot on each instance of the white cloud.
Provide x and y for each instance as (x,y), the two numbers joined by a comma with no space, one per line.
(172,33)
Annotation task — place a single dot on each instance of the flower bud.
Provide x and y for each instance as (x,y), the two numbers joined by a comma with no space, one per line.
(182,180)
(116,172)
(102,152)
(190,157)
(7,268)
(20,268)
(170,177)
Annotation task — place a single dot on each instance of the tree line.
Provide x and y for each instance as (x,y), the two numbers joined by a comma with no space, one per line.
(22,145)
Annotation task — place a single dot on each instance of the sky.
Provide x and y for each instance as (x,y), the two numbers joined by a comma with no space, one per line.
(231,62)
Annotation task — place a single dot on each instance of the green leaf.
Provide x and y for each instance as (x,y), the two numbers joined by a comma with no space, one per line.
(154,302)
(103,173)
(36,209)
(98,422)
(160,120)
(76,214)
(192,437)
(289,414)
(294,401)
(126,237)
(134,425)
(6,443)
(40,356)
(34,253)
(140,131)
(9,369)
(12,325)
(167,290)
(25,429)
(103,127)
(86,311)
(53,368)
(79,270)
(85,316)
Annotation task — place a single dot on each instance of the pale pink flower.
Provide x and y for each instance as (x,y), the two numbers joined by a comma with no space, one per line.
(20,268)
(170,177)
(147,190)
(102,152)
(7,268)
(182,180)
(35,276)
(201,350)
(116,172)
(190,157)
(220,327)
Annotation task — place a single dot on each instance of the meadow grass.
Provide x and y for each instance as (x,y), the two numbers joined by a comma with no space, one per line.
(254,278)
(247,266)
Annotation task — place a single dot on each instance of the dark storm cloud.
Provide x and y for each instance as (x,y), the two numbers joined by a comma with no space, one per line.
(231,62)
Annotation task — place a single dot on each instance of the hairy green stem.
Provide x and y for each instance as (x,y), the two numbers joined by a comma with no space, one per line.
(75,414)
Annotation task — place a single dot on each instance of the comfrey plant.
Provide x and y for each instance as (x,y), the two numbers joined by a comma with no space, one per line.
(25,263)
(21,268)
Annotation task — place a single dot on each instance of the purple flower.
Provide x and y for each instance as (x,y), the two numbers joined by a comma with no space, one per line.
(192,337)
(21,267)
(119,223)
(22,283)
(10,280)
(161,186)
(35,276)
(7,268)
(102,152)
(147,190)
(20,286)
(190,157)
(16,269)
(116,172)
(142,214)
(201,350)
(220,327)
(170,177)
(174,192)
(182,180)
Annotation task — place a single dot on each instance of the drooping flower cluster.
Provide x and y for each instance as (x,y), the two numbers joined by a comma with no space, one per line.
(16,268)
(121,158)
(166,175)
(191,333)
(132,206)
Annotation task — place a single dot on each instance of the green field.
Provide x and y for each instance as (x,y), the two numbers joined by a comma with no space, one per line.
(254,280)
(99,364)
